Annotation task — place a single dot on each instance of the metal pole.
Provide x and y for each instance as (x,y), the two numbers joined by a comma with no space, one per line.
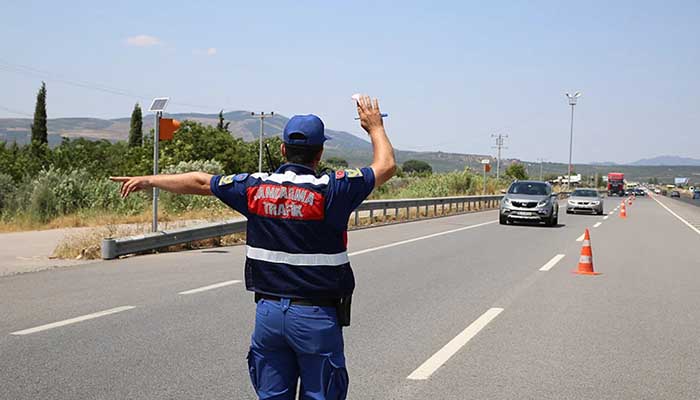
(571,145)
(541,165)
(156,139)
(261,142)
(484,180)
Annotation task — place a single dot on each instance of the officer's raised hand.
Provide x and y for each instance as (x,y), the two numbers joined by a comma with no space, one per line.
(383,163)
(370,116)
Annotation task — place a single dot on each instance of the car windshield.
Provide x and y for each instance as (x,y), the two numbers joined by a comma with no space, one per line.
(529,188)
(584,193)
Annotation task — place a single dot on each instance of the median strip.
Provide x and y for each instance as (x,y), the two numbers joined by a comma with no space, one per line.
(210,287)
(446,352)
(551,263)
(72,320)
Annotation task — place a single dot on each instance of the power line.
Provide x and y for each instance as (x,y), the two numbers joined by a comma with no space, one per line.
(36,72)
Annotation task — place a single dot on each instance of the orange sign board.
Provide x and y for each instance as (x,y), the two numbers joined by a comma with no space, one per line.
(168,126)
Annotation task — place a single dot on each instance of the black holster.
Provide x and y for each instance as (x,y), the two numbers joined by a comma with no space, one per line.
(343,310)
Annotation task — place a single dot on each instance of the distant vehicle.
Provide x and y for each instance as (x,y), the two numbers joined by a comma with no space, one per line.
(657,191)
(639,192)
(675,193)
(585,200)
(616,184)
(529,201)
(696,194)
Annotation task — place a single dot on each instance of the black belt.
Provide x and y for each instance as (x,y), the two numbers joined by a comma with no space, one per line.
(299,302)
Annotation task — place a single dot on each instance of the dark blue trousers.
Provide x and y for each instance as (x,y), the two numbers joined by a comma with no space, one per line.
(292,343)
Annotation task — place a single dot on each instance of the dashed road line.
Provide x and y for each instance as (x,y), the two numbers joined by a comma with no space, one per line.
(453,346)
(597,224)
(210,287)
(386,246)
(606,217)
(551,263)
(72,320)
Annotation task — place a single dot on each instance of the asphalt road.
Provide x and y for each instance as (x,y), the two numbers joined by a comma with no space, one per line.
(458,304)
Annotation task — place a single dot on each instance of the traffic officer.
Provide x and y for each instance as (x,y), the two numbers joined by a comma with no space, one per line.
(296,258)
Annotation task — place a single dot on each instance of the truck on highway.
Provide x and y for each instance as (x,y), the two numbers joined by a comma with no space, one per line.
(616,184)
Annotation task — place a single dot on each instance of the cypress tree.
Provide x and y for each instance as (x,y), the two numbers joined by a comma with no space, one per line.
(136,129)
(39,130)
(223,127)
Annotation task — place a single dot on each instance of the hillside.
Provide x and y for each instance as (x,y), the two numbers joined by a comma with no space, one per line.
(342,144)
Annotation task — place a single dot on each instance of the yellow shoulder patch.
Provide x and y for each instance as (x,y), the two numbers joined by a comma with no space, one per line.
(225,180)
(353,173)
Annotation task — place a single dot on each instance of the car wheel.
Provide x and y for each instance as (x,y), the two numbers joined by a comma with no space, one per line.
(503,220)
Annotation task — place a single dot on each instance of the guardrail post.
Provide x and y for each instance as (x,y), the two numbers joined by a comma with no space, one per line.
(408,213)
(357,218)
(371,216)
(109,248)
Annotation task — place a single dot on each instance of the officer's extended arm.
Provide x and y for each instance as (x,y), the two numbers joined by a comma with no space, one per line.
(189,183)
(383,164)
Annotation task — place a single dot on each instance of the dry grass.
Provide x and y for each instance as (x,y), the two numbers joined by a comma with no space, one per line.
(87,245)
(100,219)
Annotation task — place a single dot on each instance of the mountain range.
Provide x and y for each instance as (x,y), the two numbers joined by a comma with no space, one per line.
(356,150)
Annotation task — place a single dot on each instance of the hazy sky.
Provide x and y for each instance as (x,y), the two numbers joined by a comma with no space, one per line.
(449,73)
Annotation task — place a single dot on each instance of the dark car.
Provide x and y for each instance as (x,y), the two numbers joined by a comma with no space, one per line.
(696,194)
(675,193)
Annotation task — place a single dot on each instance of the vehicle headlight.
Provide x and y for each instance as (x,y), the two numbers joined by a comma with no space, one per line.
(572,203)
(595,203)
(506,201)
(543,203)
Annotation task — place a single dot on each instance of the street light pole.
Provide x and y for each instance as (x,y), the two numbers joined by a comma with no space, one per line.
(262,117)
(541,160)
(572,103)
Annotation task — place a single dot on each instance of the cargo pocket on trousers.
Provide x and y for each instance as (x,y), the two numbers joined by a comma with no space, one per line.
(337,386)
(252,370)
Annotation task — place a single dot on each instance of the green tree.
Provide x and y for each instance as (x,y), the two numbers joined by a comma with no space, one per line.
(39,129)
(337,162)
(417,167)
(136,129)
(223,127)
(516,171)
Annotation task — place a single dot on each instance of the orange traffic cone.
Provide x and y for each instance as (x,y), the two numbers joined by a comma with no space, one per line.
(585,262)
(629,201)
(623,211)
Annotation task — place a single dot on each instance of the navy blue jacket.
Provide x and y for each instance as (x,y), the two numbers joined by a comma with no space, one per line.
(297,228)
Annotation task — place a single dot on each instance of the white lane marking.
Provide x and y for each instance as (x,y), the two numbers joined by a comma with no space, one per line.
(612,212)
(438,359)
(597,224)
(580,238)
(210,287)
(606,217)
(357,253)
(552,262)
(678,216)
(72,320)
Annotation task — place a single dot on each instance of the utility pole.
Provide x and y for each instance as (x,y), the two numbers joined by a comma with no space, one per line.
(499,145)
(262,117)
(572,102)
(541,160)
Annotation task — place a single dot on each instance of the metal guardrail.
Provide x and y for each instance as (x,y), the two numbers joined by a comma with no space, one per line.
(115,247)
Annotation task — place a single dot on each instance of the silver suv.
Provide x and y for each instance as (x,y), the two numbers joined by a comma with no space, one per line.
(529,201)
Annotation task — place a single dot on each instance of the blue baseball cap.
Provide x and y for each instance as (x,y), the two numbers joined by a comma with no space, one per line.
(305,130)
